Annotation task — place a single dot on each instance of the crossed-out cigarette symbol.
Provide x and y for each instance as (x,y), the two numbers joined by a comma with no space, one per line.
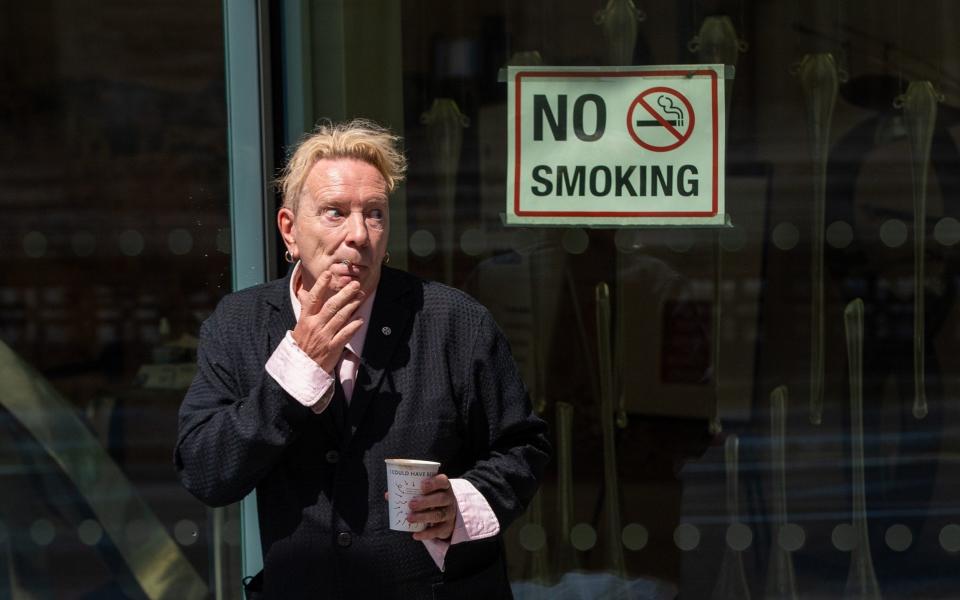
(660,119)
(669,108)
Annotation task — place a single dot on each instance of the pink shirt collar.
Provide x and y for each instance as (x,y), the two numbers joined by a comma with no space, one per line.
(363,312)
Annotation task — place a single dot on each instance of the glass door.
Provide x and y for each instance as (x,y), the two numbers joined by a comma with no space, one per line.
(776,412)
(115,244)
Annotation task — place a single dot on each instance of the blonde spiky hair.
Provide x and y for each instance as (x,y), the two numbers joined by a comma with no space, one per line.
(361,139)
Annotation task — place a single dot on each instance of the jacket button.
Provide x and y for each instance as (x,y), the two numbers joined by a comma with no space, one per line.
(344,539)
(332,456)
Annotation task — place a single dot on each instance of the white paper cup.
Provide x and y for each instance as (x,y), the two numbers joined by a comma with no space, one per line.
(404,477)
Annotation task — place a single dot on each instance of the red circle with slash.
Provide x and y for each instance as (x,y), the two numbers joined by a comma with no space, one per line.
(651,116)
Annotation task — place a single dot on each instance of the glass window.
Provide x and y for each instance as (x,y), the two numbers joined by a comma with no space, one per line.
(775,413)
(115,244)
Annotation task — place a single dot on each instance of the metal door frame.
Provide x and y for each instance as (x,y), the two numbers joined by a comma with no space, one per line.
(246,47)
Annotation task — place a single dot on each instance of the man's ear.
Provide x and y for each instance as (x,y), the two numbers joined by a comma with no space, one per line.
(286,223)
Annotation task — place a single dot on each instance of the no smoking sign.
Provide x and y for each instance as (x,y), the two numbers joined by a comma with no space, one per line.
(640,146)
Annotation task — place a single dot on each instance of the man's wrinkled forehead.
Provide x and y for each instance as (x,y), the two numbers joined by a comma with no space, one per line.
(331,178)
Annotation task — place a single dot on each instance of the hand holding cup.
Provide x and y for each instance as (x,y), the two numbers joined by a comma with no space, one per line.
(420,500)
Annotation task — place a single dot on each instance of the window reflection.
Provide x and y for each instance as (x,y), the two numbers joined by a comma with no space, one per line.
(115,244)
(706,325)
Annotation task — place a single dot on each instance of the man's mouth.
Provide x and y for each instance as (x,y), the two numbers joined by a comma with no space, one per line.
(348,265)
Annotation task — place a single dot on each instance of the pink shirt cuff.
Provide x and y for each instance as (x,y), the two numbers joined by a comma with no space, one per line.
(300,376)
(475,521)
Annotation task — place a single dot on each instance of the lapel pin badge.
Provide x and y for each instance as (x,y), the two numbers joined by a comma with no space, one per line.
(386,331)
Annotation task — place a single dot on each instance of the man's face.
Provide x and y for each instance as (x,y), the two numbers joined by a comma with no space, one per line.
(341,225)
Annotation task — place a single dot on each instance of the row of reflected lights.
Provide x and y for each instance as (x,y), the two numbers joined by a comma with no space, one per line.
(739,537)
(474,242)
(532,537)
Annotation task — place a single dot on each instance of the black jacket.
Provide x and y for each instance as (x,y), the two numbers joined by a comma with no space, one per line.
(437,382)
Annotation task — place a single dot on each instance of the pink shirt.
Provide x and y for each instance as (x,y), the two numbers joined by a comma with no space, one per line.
(311,386)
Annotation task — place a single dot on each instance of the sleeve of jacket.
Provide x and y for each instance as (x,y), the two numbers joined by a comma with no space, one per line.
(232,429)
(509,441)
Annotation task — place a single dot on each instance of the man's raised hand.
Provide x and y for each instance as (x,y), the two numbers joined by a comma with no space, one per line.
(325,325)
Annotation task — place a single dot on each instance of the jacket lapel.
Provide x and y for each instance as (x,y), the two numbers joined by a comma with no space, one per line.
(281,315)
(281,321)
(389,321)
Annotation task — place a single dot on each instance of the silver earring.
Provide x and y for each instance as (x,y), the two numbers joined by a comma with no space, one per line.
(288,257)
(386,258)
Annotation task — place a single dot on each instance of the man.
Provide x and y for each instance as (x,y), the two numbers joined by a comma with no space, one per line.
(306,384)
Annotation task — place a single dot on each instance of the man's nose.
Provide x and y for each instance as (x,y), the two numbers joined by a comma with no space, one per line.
(356,229)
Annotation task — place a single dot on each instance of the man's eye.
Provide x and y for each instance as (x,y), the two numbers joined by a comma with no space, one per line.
(332,213)
(377,214)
